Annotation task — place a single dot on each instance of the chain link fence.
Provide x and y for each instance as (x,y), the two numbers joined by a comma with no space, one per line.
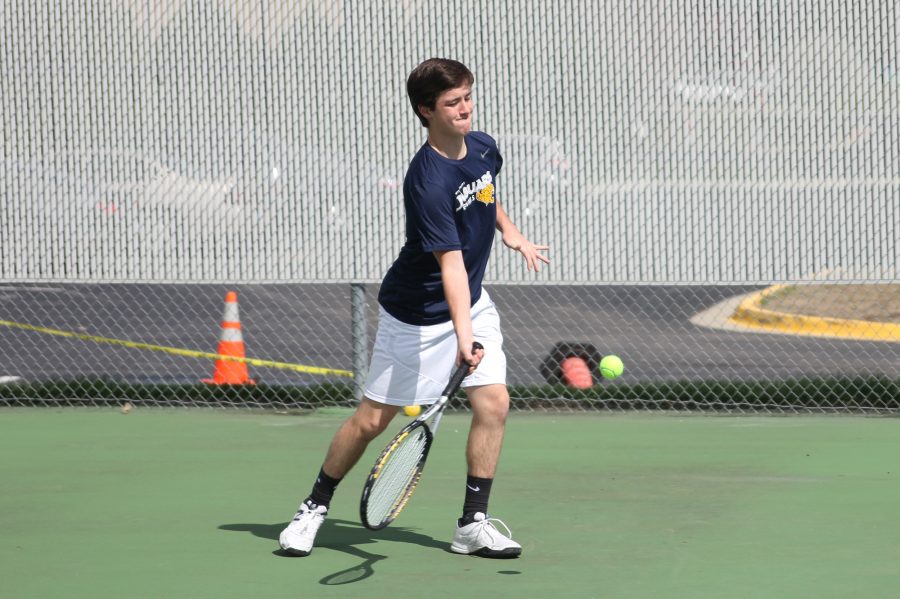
(680,160)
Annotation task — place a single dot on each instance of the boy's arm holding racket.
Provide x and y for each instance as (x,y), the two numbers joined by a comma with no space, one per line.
(456,290)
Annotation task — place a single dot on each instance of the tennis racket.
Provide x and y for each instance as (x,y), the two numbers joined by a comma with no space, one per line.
(399,467)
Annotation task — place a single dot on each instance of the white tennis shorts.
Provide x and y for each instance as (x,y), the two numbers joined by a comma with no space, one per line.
(411,364)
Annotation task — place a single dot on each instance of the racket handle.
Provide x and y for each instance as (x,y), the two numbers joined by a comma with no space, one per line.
(457,378)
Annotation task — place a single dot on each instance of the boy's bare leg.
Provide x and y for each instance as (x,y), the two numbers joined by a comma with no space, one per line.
(475,531)
(348,444)
(490,405)
(354,435)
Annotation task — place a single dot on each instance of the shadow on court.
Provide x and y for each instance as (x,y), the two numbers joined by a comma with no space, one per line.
(345,536)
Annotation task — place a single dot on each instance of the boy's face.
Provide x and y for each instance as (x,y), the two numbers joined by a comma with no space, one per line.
(452,112)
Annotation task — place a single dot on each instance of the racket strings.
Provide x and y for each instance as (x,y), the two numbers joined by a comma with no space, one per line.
(397,477)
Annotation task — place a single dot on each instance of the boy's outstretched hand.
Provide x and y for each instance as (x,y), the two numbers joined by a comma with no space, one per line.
(514,240)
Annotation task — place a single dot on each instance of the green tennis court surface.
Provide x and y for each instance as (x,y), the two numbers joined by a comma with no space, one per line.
(189,503)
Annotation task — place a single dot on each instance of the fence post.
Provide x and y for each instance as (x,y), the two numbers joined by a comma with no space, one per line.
(360,337)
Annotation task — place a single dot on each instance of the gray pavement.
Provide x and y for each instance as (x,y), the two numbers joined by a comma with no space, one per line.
(661,332)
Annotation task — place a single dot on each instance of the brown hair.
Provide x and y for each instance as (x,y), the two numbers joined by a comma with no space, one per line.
(432,78)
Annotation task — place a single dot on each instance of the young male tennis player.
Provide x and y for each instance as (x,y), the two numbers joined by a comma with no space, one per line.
(432,308)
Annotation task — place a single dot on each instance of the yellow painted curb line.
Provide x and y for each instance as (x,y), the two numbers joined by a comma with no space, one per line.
(750,313)
(176,351)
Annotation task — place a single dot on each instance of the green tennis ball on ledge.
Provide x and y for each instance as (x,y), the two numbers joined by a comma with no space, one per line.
(611,367)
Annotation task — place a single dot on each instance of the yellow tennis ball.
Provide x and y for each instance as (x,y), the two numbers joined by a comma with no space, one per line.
(412,411)
(611,367)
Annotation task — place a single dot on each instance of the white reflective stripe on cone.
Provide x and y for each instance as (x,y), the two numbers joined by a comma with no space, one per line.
(229,334)
(231,312)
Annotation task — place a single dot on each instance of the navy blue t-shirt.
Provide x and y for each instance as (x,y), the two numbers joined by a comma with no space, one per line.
(450,205)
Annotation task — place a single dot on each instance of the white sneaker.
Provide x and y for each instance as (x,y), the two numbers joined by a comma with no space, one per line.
(300,534)
(482,538)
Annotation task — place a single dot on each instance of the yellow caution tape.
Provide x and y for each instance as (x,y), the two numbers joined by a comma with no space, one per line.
(176,351)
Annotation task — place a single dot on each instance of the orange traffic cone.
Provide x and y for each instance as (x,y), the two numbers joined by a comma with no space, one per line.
(231,343)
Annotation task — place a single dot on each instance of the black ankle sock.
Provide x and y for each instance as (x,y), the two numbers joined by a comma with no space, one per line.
(478,491)
(323,490)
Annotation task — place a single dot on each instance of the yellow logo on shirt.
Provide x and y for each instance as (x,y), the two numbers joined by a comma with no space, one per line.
(482,189)
(485,195)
